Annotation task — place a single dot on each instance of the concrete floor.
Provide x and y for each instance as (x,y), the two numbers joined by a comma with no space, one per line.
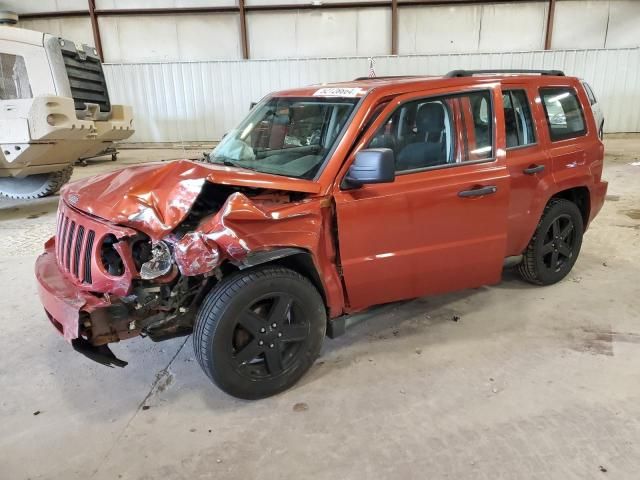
(530,382)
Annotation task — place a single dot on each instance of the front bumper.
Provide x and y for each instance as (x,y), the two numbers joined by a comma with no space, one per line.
(67,306)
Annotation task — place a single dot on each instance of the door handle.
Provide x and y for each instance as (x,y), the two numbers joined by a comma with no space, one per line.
(478,192)
(533,169)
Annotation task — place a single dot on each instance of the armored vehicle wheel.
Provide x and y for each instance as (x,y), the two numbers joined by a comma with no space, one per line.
(259,331)
(34,186)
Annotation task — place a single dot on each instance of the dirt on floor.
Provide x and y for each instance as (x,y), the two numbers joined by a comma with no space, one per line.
(510,381)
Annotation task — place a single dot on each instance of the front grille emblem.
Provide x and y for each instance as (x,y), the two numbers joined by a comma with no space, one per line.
(73,199)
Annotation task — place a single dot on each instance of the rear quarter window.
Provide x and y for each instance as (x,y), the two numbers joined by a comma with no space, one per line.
(565,117)
(590,94)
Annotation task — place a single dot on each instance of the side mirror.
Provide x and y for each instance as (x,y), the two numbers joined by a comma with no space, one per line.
(252,104)
(373,165)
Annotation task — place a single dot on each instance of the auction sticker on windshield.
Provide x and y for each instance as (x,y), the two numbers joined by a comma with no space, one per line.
(338,92)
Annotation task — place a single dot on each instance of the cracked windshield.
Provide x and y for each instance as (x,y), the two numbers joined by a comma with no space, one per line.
(286,136)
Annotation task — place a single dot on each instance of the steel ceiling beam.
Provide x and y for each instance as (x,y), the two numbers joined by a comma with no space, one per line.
(66,13)
(394,27)
(243,30)
(95,28)
(548,36)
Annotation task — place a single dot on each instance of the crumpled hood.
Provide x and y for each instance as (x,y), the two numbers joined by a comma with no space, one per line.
(154,198)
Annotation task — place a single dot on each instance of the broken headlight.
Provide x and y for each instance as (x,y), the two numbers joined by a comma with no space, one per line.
(111,259)
(160,263)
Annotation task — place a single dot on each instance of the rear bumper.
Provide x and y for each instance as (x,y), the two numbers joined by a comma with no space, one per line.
(598,192)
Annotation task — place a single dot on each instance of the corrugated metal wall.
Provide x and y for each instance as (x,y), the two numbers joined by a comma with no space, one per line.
(200,101)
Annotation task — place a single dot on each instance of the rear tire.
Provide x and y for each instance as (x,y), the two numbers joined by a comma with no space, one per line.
(34,186)
(555,245)
(259,331)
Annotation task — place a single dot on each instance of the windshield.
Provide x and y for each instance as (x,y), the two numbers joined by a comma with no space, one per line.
(286,136)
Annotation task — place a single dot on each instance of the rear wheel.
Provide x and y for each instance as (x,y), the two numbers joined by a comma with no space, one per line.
(555,245)
(259,331)
(34,186)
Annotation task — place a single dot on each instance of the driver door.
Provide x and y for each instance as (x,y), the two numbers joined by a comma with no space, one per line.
(442,224)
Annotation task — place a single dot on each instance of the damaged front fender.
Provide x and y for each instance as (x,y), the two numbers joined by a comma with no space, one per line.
(246,229)
(196,254)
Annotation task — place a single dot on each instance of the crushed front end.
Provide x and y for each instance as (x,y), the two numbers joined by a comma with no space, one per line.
(101,283)
(137,250)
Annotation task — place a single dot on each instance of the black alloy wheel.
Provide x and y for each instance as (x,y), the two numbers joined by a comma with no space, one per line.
(268,335)
(555,245)
(559,243)
(258,331)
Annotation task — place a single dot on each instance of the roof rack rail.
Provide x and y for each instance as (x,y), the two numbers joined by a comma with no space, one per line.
(386,77)
(469,73)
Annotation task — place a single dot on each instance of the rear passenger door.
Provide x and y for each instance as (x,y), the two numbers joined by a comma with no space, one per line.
(441,225)
(528,164)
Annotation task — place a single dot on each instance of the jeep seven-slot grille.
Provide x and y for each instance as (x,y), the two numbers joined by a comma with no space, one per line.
(87,81)
(74,247)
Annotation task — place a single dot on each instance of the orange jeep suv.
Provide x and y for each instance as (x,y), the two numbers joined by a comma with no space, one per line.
(324,201)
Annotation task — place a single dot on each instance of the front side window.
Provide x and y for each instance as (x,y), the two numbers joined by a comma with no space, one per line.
(564,113)
(517,119)
(14,81)
(439,131)
(286,136)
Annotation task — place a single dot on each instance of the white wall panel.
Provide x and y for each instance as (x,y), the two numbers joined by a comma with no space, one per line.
(325,32)
(203,37)
(596,24)
(270,34)
(438,29)
(624,24)
(162,38)
(510,26)
(296,2)
(34,6)
(200,101)
(139,39)
(489,27)
(580,24)
(313,33)
(374,31)
(76,29)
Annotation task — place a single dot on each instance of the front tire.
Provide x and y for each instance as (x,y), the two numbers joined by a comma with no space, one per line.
(555,245)
(259,331)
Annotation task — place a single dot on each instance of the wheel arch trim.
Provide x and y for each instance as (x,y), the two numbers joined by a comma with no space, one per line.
(261,257)
(295,258)
(581,196)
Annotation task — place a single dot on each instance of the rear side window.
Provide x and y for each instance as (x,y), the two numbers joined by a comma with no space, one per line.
(564,113)
(14,82)
(517,119)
